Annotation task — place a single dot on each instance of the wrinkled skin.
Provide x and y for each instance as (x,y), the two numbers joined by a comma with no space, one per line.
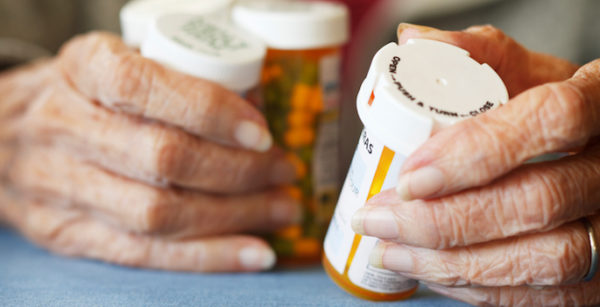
(107,155)
(469,219)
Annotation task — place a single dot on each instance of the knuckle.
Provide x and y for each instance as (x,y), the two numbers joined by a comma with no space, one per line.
(558,272)
(448,224)
(488,137)
(550,259)
(561,118)
(452,271)
(181,159)
(534,201)
(487,30)
(549,201)
(126,74)
(170,152)
(153,218)
(590,70)
(95,35)
(208,115)
(424,219)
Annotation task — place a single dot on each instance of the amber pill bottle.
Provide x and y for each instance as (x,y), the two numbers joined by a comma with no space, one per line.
(300,97)
(410,92)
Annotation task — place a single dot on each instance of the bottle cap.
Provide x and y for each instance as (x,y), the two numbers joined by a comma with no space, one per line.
(206,47)
(136,16)
(294,24)
(417,88)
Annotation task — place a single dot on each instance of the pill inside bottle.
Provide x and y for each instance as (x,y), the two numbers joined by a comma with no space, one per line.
(410,92)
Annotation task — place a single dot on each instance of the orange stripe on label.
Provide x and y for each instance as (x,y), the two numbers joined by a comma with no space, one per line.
(372,98)
(387,155)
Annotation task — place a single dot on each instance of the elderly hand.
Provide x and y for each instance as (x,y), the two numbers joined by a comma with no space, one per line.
(111,156)
(473,222)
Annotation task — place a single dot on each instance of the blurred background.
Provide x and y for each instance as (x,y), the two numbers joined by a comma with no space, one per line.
(568,29)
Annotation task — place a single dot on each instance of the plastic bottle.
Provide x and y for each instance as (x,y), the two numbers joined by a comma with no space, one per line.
(137,15)
(301,96)
(208,48)
(410,92)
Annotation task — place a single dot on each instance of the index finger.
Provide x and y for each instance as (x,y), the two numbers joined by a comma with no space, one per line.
(103,68)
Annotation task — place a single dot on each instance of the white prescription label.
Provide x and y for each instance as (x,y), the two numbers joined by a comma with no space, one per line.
(340,236)
(325,169)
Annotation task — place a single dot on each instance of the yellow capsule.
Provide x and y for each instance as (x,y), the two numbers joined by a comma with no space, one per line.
(300,118)
(299,137)
(301,95)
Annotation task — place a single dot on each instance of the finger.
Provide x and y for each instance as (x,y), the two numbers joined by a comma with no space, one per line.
(147,150)
(583,294)
(73,233)
(137,207)
(536,197)
(102,67)
(545,119)
(19,87)
(557,257)
(518,67)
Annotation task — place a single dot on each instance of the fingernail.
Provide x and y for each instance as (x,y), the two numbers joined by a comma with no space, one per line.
(282,172)
(255,258)
(375,222)
(398,258)
(376,257)
(420,183)
(252,136)
(286,210)
(358,220)
(403,26)
(407,31)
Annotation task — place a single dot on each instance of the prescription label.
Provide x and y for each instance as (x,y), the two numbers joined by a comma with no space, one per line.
(325,168)
(348,252)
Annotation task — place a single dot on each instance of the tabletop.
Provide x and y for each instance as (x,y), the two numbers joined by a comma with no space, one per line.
(30,276)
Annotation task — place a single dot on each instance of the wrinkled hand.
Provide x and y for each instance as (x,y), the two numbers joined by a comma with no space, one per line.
(469,218)
(107,155)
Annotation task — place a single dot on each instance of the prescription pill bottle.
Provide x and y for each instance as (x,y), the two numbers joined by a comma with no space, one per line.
(301,96)
(206,47)
(410,92)
(137,15)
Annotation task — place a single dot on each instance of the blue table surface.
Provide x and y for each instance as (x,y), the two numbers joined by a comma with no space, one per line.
(30,276)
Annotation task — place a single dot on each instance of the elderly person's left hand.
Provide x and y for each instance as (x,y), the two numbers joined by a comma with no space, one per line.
(474,222)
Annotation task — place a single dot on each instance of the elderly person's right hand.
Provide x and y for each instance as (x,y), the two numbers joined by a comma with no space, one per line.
(476,223)
(111,156)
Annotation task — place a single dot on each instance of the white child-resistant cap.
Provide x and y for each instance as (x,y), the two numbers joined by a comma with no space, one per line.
(206,47)
(137,15)
(414,89)
(294,24)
